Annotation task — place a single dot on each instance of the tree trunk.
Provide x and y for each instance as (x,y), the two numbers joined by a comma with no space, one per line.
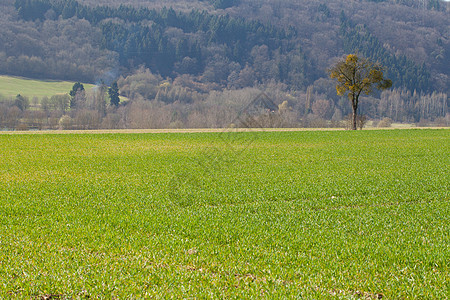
(354,107)
(354,119)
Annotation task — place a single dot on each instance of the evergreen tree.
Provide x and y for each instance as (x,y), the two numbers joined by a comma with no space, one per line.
(77,87)
(22,102)
(113,93)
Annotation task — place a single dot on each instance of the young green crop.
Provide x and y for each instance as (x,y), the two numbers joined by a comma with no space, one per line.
(278,215)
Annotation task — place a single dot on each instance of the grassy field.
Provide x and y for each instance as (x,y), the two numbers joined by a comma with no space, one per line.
(315,215)
(12,86)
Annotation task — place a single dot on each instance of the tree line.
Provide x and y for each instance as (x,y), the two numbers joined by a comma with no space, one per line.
(151,101)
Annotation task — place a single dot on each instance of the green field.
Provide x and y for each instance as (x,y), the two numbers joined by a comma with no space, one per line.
(12,86)
(315,215)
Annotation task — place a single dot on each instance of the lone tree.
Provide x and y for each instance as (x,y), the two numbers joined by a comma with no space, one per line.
(356,75)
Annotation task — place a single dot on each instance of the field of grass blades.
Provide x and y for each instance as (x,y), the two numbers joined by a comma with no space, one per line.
(314,215)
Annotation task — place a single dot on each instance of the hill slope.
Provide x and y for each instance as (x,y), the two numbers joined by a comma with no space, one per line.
(12,86)
(79,41)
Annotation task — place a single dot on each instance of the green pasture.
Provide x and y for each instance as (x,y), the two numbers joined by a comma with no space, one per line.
(314,215)
(12,86)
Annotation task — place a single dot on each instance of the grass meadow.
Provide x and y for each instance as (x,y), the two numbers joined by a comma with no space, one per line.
(12,86)
(313,215)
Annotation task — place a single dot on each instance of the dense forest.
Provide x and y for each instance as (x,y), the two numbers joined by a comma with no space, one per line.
(185,57)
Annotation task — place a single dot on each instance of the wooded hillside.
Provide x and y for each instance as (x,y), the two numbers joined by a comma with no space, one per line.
(217,45)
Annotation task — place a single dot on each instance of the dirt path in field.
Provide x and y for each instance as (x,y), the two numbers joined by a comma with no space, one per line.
(199,130)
